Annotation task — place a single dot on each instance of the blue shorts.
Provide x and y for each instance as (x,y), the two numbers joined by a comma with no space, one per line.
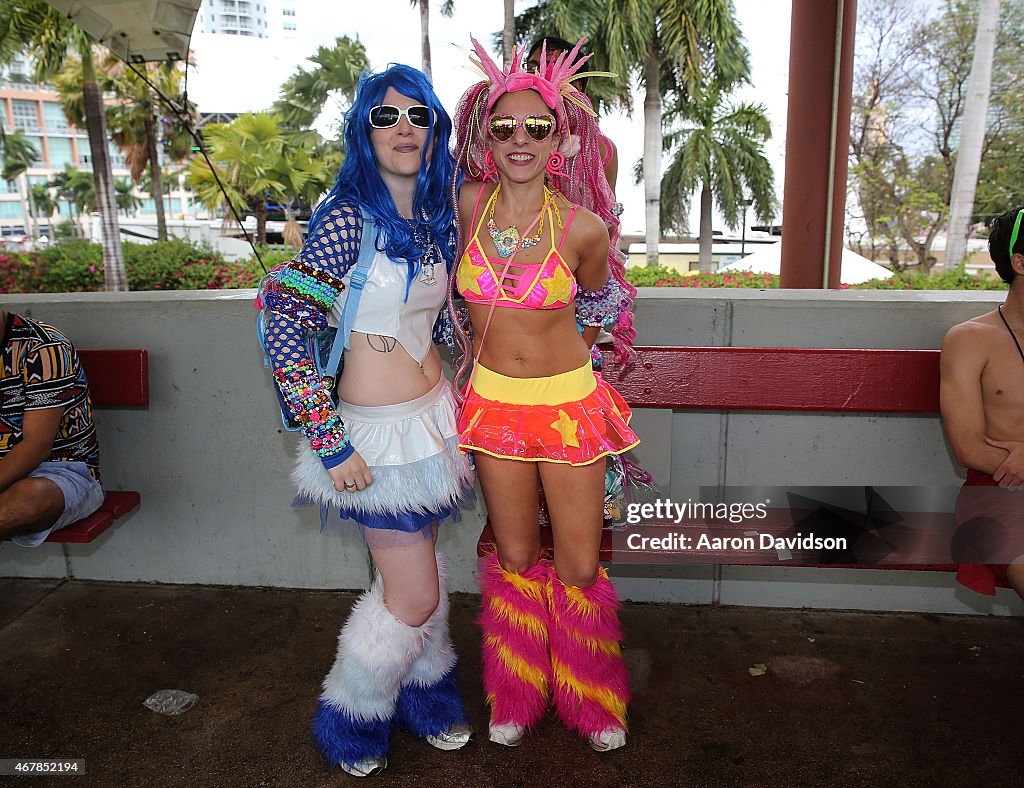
(82,496)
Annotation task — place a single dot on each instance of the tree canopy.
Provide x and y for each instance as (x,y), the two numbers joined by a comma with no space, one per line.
(258,161)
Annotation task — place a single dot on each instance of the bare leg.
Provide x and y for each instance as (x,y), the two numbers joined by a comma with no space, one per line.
(575,497)
(29,505)
(510,492)
(1015,575)
(410,580)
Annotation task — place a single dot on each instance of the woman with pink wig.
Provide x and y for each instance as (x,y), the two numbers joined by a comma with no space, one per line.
(541,279)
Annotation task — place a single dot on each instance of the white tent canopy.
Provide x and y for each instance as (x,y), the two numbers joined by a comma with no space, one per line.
(135,30)
(768,260)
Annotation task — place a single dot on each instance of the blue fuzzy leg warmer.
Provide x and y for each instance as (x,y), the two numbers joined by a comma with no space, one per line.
(356,709)
(429,700)
(428,711)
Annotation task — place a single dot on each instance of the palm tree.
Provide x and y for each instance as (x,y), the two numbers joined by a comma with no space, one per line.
(972,133)
(59,184)
(258,160)
(447,9)
(142,129)
(718,150)
(44,202)
(78,188)
(135,121)
(68,186)
(34,26)
(126,199)
(305,93)
(665,45)
(19,153)
(508,33)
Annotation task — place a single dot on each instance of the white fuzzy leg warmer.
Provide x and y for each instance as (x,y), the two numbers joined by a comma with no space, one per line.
(375,651)
(438,656)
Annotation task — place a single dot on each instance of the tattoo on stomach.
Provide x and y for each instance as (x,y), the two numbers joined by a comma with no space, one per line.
(381,344)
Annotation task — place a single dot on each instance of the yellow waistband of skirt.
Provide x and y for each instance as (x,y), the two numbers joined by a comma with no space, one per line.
(568,386)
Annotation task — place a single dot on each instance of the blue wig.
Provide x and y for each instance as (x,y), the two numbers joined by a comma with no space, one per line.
(360,181)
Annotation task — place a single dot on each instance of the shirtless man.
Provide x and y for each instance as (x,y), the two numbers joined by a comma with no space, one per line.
(982,401)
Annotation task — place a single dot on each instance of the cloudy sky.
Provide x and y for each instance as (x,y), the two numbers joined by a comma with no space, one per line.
(240,75)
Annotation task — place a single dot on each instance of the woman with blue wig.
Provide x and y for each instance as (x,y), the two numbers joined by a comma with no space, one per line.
(384,461)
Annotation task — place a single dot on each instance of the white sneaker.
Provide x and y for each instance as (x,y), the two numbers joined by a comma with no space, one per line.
(509,734)
(608,739)
(454,737)
(367,767)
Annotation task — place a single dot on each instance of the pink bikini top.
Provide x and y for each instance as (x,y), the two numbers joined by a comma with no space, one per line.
(546,285)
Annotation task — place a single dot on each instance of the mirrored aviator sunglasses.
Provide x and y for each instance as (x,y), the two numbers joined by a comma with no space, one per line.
(503,127)
(387,116)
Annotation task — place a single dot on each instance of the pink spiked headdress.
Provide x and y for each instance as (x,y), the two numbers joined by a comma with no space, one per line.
(553,83)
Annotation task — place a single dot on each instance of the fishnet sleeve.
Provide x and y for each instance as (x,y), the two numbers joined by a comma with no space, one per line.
(297,299)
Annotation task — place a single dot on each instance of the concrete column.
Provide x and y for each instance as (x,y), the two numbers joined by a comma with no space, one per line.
(817,141)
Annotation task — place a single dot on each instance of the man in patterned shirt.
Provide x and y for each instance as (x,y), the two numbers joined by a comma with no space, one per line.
(49,457)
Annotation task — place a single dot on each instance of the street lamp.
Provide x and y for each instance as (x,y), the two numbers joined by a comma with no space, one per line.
(746,202)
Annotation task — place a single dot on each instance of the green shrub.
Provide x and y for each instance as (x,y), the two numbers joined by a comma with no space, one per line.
(669,277)
(174,264)
(69,267)
(272,257)
(654,276)
(16,272)
(76,266)
(954,279)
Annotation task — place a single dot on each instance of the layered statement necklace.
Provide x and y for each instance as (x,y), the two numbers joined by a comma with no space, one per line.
(508,241)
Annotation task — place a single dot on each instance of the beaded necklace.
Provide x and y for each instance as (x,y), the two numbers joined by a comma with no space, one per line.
(431,254)
(508,241)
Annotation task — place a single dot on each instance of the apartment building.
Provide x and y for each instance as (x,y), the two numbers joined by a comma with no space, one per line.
(275,19)
(233,17)
(37,111)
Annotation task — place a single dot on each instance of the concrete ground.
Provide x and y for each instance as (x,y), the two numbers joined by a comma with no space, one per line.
(851,699)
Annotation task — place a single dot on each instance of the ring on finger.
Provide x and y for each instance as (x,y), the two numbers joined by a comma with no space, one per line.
(349,485)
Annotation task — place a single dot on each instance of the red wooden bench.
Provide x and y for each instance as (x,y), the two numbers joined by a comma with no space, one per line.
(117,379)
(829,380)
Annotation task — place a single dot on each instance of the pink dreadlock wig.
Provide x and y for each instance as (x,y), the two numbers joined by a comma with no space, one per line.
(584,183)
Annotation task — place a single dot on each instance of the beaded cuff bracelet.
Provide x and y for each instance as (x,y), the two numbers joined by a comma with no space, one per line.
(304,281)
(465,324)
(443,333)
(599,307)
(312,408)
(299,310)
(445,330)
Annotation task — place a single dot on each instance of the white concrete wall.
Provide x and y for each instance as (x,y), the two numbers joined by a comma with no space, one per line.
(211,459)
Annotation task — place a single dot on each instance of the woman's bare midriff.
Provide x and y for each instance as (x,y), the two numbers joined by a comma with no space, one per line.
(528,343)
(379,371)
